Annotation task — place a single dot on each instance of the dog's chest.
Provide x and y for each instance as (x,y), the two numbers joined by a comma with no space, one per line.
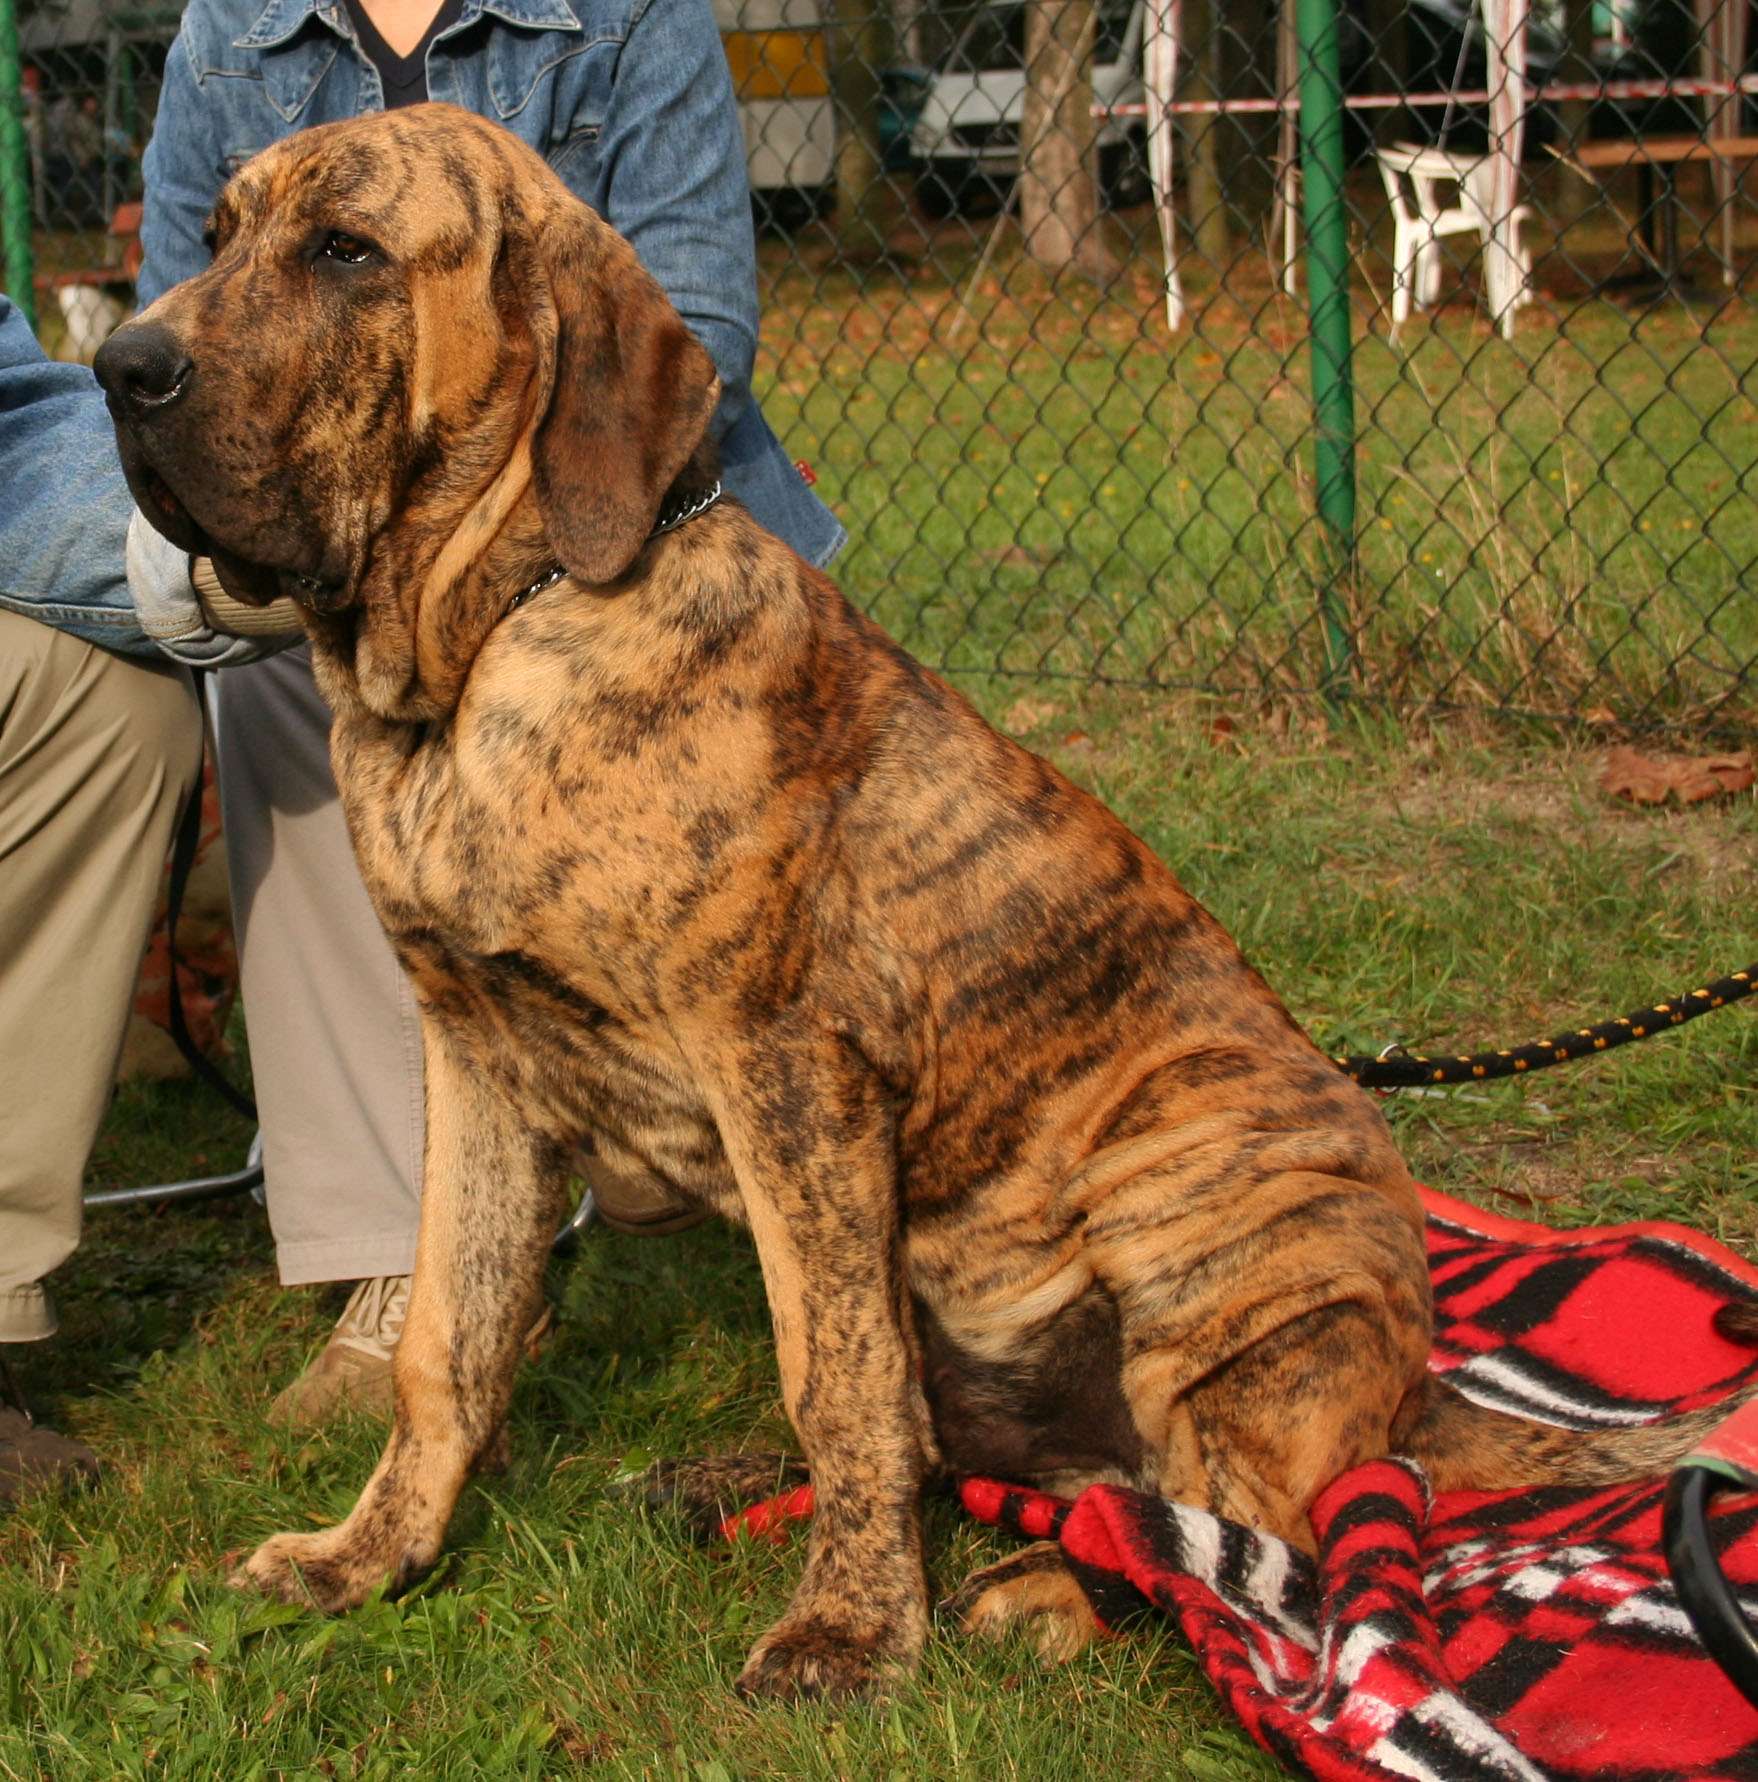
(537,951)
(499,848)
(465,859)
(578,1068)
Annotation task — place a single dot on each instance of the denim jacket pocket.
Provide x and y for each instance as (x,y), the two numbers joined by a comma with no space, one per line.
(291,76)
(575,155)
(236,77)
(518,66)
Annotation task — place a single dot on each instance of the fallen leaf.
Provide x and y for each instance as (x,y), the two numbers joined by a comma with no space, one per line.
(1015,556)
(1536,1193)
(1223,732)
(1028,714)
(1654,779)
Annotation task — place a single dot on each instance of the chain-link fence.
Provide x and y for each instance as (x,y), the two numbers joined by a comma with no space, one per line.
(1403,344)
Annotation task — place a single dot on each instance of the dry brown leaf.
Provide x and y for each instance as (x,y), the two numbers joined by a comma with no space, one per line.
(1028,714)
(1654,779)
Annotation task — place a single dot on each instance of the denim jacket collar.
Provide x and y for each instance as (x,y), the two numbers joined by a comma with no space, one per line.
(281,19)
(294,61)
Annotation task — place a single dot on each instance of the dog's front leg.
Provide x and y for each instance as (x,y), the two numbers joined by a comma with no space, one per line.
(810,1137)
(490,1202)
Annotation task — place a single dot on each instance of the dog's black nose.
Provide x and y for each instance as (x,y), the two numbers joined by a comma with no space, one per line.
(143,368)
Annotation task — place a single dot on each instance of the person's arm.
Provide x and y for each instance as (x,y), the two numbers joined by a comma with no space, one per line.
(64,507)
(183,172)
(74,552)
(673,156)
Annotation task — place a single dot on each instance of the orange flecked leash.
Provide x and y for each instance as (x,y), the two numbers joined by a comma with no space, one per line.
(1395,1068)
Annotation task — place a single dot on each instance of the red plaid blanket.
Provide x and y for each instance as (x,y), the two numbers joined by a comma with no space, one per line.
(1478,1635)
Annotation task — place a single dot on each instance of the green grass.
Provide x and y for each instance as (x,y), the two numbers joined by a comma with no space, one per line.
(1427,886)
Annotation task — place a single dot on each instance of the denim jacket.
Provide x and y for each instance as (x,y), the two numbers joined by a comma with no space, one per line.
(64,507)
(629,100)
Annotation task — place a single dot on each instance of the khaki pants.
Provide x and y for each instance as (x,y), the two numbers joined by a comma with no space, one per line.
(335,1040)
(97,754)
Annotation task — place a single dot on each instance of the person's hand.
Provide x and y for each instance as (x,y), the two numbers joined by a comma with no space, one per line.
(172,614)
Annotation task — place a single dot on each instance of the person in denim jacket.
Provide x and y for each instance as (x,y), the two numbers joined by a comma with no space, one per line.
(631,102)
(99,744)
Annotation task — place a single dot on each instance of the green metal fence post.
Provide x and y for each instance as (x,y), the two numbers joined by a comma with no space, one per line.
(1327,286)
(15,170)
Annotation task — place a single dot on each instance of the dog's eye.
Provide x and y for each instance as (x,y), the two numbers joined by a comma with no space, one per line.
(351,250)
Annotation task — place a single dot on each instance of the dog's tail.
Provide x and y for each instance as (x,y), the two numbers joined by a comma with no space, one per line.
(1469,1447)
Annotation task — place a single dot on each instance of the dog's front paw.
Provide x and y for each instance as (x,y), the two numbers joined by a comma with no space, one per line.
(328,1570)
(812,1659)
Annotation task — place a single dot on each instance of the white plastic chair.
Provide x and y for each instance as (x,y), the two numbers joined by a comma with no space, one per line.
(1414,177)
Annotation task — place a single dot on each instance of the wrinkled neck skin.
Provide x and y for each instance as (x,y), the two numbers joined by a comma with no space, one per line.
(438,585)
(434,588)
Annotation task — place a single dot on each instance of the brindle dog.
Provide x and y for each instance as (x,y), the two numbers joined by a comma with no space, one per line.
(684,855)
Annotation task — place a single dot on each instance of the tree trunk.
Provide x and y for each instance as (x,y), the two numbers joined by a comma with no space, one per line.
(1204,191)
(1565,195)
(860,45)
(1058,184)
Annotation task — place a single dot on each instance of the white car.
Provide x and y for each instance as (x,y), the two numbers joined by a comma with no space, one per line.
(965,141)
(780,63)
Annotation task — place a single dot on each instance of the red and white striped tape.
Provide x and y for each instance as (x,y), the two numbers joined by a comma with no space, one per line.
(1611,89)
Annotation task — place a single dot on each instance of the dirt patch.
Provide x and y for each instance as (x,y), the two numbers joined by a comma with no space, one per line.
(1027,716)
(1503,1158)
(1714,844)
(1536,1173)
(1551,791)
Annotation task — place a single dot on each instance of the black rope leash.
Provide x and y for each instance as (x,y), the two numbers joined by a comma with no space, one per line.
(1396,1068)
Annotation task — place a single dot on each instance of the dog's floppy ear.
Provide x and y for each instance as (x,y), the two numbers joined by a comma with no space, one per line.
(631,399)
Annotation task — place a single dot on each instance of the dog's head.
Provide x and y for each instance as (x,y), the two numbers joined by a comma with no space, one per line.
(413,348)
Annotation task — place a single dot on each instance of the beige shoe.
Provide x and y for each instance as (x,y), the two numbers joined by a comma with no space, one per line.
(631,1199)
(352,1372)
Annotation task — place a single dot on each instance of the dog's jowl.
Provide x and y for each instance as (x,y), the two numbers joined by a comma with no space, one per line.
(685,857)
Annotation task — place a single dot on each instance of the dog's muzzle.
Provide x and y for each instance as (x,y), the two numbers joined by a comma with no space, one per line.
(144,371)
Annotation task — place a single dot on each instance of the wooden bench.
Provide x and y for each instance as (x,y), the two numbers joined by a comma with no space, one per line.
(95,300)
(1662,155)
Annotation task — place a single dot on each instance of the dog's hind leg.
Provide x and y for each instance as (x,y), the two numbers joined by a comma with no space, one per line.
(1274,1328)
(1033,1588)
(492,1196)
(1262,1436)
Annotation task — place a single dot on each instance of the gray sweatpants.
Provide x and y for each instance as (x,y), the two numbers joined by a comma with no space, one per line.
(335,1041)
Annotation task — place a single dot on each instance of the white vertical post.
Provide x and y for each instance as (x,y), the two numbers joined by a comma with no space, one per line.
(1504,32)
(1159,75)
(1288,143)
(1721,59)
